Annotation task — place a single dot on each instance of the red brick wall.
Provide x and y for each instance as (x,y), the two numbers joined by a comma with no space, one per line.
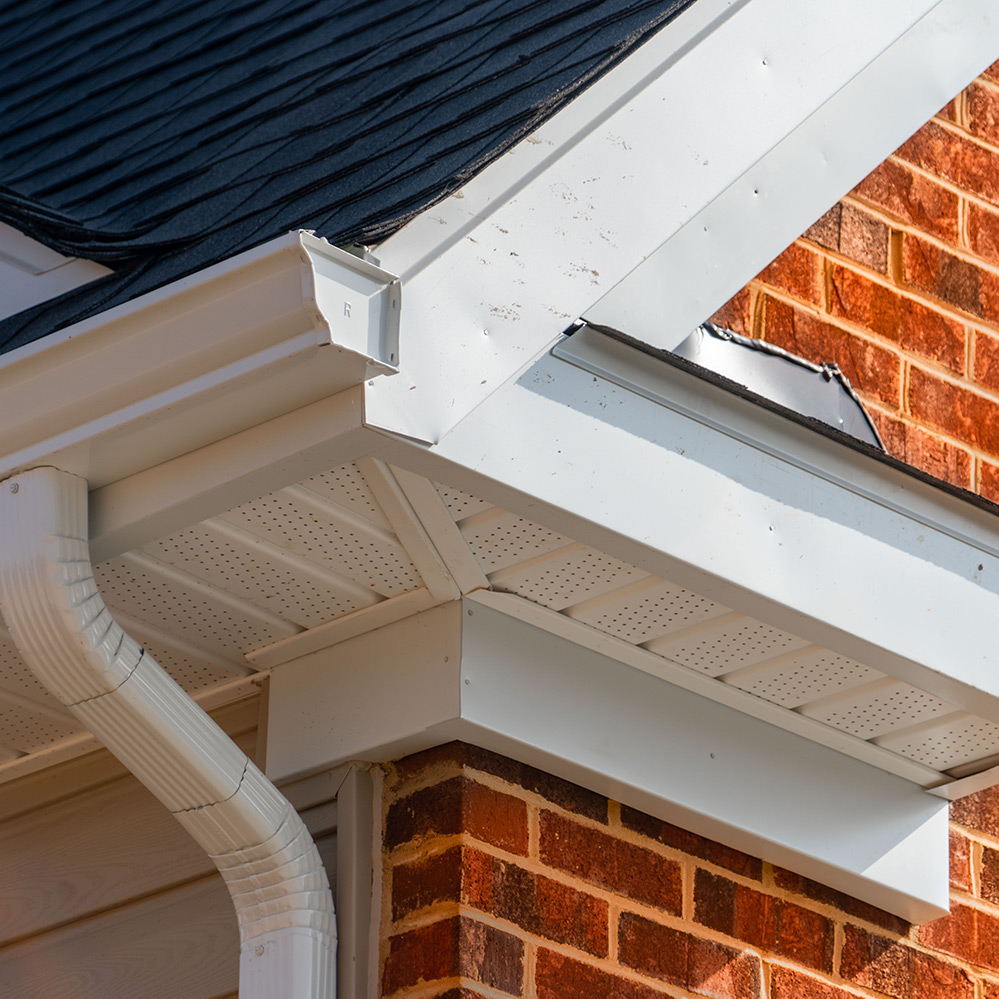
(500,880)
(899,284)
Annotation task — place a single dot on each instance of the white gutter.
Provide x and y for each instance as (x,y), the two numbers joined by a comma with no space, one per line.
(257,841)
(249,339)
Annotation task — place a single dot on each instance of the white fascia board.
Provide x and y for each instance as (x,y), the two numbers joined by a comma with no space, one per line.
(749,223)
(464,671)
(257,336)
(692,483)
(533,242)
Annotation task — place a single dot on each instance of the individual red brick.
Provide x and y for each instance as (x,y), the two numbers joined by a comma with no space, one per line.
(988,481)
(958,282)
(911,197)
(986,365)
(991,990)
(909,323)
(983,232)
(452,948)
(697,846)
(566,795)
(990,874)
(950,156)
(899,971)
(560,977)
(978,811)
(954,409)
(854,233)
(611,863)
(737,313)
(983,113)
(423,955)
(427,881)
(949,111)
(960,866)
(871,369)
(969,934)
(785,983)
(796,272)
(678,958)
(800,885)
(459,805)
(763,921)
(924,450)
(539,905)
(992,73)
(490,956)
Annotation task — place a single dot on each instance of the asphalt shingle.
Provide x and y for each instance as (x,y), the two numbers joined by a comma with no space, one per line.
(160,138)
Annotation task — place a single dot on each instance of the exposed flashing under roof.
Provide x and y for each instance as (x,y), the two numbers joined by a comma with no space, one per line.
(782,377)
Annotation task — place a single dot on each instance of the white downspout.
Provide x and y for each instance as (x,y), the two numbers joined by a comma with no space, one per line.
(256,839)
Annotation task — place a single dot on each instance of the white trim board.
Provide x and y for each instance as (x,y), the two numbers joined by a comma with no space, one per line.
(32,273)
(465,671)
(729,94)
(734,237)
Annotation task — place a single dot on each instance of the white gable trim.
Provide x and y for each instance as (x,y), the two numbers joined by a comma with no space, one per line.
(536,240)
(730,240)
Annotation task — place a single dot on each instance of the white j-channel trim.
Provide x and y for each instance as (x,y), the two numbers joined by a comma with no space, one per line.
(250,339)
(464,671)
(734,237)
(533,242)
(67,637)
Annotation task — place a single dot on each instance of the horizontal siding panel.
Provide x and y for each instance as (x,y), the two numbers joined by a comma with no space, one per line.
(89,853)
(182,942)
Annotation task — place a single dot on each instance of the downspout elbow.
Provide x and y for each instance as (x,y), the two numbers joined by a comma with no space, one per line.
(68,638)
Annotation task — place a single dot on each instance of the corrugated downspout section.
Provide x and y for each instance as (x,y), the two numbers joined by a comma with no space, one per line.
(68,638)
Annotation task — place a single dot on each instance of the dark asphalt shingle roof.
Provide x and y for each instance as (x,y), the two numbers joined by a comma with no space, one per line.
(164,136)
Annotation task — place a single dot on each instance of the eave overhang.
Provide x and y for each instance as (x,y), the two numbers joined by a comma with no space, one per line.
(247,378)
